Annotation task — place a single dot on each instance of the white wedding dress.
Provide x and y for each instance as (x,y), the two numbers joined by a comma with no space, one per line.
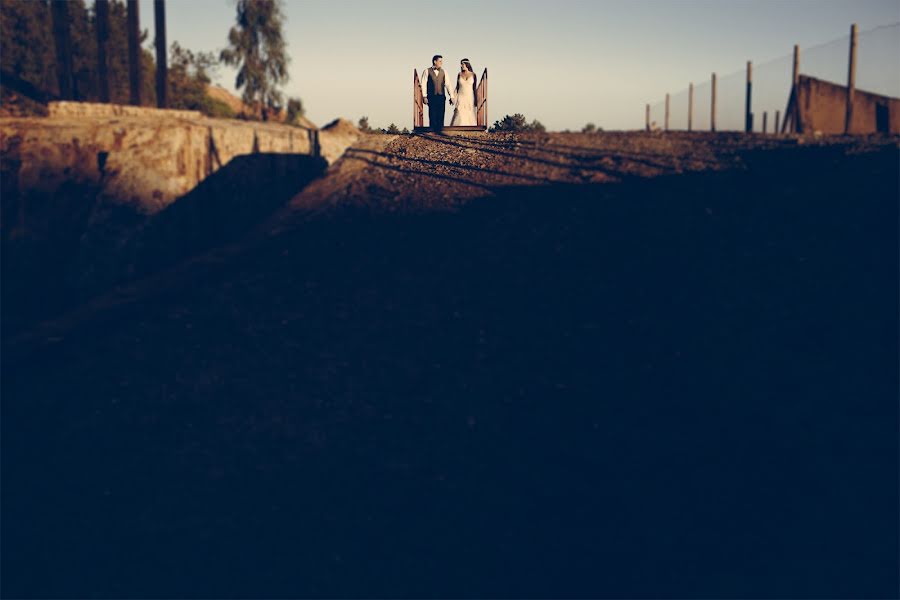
(465,102)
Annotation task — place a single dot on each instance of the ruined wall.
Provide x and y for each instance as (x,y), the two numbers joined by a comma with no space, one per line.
(142,157)
(64,109)
(145,158)
(823,108)
(84,192)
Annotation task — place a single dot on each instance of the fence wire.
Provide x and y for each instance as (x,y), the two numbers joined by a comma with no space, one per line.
(877,71)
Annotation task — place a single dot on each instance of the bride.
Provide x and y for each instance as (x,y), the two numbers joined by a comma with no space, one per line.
(466,84)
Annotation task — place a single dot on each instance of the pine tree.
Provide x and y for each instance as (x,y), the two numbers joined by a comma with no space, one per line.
(27,50)
(365,127)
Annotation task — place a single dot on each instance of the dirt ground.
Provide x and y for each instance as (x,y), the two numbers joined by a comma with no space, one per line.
(548,365)
(427,172)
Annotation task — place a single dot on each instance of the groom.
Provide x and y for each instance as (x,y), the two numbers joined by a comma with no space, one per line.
(434,83)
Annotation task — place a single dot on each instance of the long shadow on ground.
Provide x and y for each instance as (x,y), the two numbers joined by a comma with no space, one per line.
(677,387)
(89,247)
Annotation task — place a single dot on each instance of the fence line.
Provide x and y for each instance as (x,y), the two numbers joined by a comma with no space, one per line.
(745,100)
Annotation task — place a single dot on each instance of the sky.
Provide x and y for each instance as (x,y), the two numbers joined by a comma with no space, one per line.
(563,62)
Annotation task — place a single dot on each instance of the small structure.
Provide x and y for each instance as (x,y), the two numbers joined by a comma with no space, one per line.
(481,100)
(819,105)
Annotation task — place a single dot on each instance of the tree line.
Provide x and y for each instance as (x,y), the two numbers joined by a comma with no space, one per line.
(68,50)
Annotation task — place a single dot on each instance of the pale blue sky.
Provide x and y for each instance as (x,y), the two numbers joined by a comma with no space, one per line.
(565,62)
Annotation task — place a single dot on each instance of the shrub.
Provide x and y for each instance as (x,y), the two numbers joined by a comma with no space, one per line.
(365,127)
(517,123)
(216,109)
(294,110)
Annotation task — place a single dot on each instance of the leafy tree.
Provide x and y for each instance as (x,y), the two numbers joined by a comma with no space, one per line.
(189,76)
(392,129)
(589,128)
(257,47)
(405,131)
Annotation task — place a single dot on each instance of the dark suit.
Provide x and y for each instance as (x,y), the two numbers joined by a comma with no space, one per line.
(437,101)
(436,109)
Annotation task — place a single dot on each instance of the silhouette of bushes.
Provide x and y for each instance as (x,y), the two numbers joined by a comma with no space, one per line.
(364,126)
(517,123)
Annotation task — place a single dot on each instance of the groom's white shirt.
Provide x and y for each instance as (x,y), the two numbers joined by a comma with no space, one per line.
(423,81)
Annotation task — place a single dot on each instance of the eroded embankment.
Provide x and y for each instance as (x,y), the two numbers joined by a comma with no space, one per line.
(423,173)
(97,195)
(552,390)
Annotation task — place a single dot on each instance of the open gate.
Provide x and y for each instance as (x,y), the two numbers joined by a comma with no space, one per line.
(481,106)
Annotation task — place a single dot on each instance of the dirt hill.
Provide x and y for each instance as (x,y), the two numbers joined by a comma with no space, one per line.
(219,93)
(621,365)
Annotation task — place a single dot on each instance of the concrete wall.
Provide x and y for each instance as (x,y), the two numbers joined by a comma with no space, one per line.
(83,193)
(64,109)
(823,107)
(143,157)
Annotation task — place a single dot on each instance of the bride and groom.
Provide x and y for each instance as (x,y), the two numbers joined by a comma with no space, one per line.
(435,82)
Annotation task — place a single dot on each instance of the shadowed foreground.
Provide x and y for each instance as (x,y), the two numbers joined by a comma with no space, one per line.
(675,387)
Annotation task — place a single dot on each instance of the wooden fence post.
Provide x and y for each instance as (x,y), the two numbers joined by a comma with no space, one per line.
(690,106)
(667,112)
(795,114)
(765,128)
(851,80)
(748,114)
(647,118)
(777,117)
(712,107)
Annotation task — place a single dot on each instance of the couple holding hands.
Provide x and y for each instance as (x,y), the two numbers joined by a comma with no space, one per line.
(434,83)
